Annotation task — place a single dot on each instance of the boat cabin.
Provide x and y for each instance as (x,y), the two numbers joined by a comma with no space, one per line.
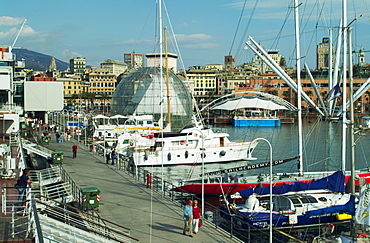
(287,204)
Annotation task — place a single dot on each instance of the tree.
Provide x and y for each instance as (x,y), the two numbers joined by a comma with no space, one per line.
(308,92)
(274,92)
(286,95)
(72,99)
(89,96)
(104,97)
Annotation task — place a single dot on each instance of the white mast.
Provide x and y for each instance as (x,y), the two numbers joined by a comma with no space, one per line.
(299,87)
(344,92)
(161,58)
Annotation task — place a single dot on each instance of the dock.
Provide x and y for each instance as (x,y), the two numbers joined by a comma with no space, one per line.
(126,201)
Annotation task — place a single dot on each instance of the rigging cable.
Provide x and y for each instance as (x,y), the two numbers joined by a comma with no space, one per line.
(237,27)
(246,29)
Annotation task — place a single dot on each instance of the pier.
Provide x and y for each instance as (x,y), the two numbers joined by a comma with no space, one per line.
(149,215)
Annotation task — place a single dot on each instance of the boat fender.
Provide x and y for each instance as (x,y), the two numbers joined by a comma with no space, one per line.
(169,156)
(233,207)
(222,153)
(329,229)
(203,155)
(145,157)
(362,235)
(186,154)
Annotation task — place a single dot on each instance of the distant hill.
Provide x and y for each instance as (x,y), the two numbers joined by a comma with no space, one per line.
(38,61)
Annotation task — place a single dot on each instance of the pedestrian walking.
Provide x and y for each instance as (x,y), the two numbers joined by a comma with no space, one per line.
(113,155)
(74,150)
(57,137)
(196,217)
(107,156)
(188,218)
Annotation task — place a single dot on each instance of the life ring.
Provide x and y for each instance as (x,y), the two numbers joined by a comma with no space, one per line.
(131,144)
(362,235)
(182,142)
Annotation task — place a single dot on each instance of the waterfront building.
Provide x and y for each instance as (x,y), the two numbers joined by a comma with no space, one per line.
(77,65)
(133,60)
(153,60)
(229,62)
(322,54)
(115,67)
(274,54)
(102,83)
(205,83)
(6,78)
(42,78)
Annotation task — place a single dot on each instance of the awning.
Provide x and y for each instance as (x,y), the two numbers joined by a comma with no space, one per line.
(249,103)
(117,117)
(100,117)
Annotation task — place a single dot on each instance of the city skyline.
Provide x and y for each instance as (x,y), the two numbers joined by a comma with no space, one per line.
(204,30)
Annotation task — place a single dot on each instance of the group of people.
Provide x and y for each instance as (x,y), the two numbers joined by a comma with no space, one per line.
(192,218)
(110,155)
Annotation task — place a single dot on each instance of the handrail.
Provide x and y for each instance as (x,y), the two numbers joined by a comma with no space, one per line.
(36,221)
(75,224)
(68,206)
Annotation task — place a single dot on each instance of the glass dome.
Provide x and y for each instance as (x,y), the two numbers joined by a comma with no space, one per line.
(139,93)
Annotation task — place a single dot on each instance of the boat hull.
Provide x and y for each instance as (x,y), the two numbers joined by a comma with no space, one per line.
(261,221)
(246,122)
(232,188)
(196,156)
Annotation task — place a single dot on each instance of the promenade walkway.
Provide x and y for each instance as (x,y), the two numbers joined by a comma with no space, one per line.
(129,203)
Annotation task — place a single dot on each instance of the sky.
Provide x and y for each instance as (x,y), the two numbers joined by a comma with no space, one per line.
(205,30)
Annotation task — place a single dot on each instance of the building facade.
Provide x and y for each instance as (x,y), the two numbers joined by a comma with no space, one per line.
(134,60)
(153,60)
(322,54)
(115,67)
(77,65)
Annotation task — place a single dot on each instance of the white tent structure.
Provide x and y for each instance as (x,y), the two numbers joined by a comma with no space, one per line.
(249,103)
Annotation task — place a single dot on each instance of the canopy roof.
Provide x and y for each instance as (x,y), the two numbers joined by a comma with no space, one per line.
(249,103)
(117,117)
(100,117)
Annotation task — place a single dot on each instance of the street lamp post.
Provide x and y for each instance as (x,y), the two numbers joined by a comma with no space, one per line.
(263,139)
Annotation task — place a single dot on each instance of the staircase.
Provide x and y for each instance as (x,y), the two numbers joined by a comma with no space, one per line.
(37,149)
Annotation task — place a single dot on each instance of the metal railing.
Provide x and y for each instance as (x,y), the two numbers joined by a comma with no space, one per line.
(84,221)
(21,216)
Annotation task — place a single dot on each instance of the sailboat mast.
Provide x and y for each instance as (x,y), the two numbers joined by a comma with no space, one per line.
(167,79)
(344,96)
(352,115)
(299,87)
(161,57)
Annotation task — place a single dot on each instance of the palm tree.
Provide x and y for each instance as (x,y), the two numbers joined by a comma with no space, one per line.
(104,97)
(89,96)
(72,100)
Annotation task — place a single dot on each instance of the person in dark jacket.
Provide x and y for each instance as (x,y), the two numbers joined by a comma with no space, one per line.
(22,184)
